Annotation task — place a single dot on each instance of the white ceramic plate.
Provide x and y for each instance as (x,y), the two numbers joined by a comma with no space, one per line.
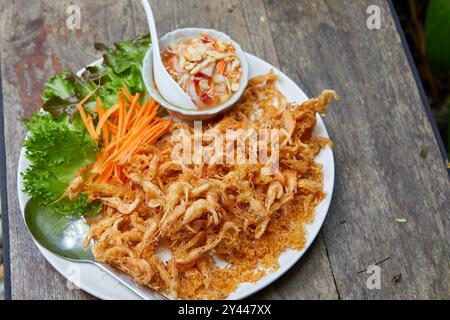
(101,285)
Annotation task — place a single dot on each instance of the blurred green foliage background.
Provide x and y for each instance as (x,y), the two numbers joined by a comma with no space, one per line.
(427,27)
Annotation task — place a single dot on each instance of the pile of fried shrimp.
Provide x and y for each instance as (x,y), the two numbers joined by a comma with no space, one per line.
(204,213)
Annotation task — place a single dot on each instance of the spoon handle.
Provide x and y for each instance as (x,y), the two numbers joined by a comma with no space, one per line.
(152,27)
(142,291)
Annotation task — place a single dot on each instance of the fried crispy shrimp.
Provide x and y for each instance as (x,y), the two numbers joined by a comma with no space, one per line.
(197,209)
(257,207)
(153,193)
(274,192)
(201,188)
(74,187)
(289,125)
(261,228)
(150,228)
(245,215)
(291,181)
(169,219)
(174,193)
(148,186)
(197,252)
(153,167)
(213,197)
(120,205)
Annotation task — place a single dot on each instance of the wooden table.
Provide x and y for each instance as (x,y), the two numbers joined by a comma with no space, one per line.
(388,161)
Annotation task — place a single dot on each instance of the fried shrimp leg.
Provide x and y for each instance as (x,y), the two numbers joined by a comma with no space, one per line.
(198,252)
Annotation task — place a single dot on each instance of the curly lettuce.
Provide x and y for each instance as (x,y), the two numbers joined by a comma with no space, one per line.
(58,145)
(121,66)
(57,149)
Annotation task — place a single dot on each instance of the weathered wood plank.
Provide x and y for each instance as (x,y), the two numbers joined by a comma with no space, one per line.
(379,129)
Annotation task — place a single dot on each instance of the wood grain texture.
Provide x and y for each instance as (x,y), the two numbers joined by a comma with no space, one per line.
(379,128)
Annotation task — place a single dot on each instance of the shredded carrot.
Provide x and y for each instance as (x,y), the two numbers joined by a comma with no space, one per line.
(127,93)
(87,120)
(118,174)
(104,177)
(101,112)
(130,111)
(88,123)
(122,111)
(147,137)
(124,127)
(105,117)
(111,127)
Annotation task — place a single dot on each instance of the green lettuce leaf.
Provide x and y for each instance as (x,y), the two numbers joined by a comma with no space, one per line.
(63,92)
(58,145)
(57,149)
(58,86)
(126,55)
(121,66)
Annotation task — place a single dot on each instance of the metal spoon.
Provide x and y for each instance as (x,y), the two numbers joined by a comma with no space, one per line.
(64,235)
(167,86)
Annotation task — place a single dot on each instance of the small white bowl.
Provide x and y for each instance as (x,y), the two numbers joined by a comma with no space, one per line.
(188,114)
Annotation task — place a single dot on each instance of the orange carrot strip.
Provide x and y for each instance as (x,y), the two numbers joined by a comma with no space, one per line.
(130,110)
(82,114)
(147,116)
(122,111)
(85,99)
(125,128)
(124,139)
(158,133)
(122,149)
(151,137)
(127,93)
(133,139)
(145,121)
(152,133)
(88,123)
(117,174)
(101,112)
(92,129)
(105,175)
(105,117)
(136,142)
(112,127)
(139,116)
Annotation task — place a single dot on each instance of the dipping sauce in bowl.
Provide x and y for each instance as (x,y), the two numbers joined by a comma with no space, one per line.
(207,69)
